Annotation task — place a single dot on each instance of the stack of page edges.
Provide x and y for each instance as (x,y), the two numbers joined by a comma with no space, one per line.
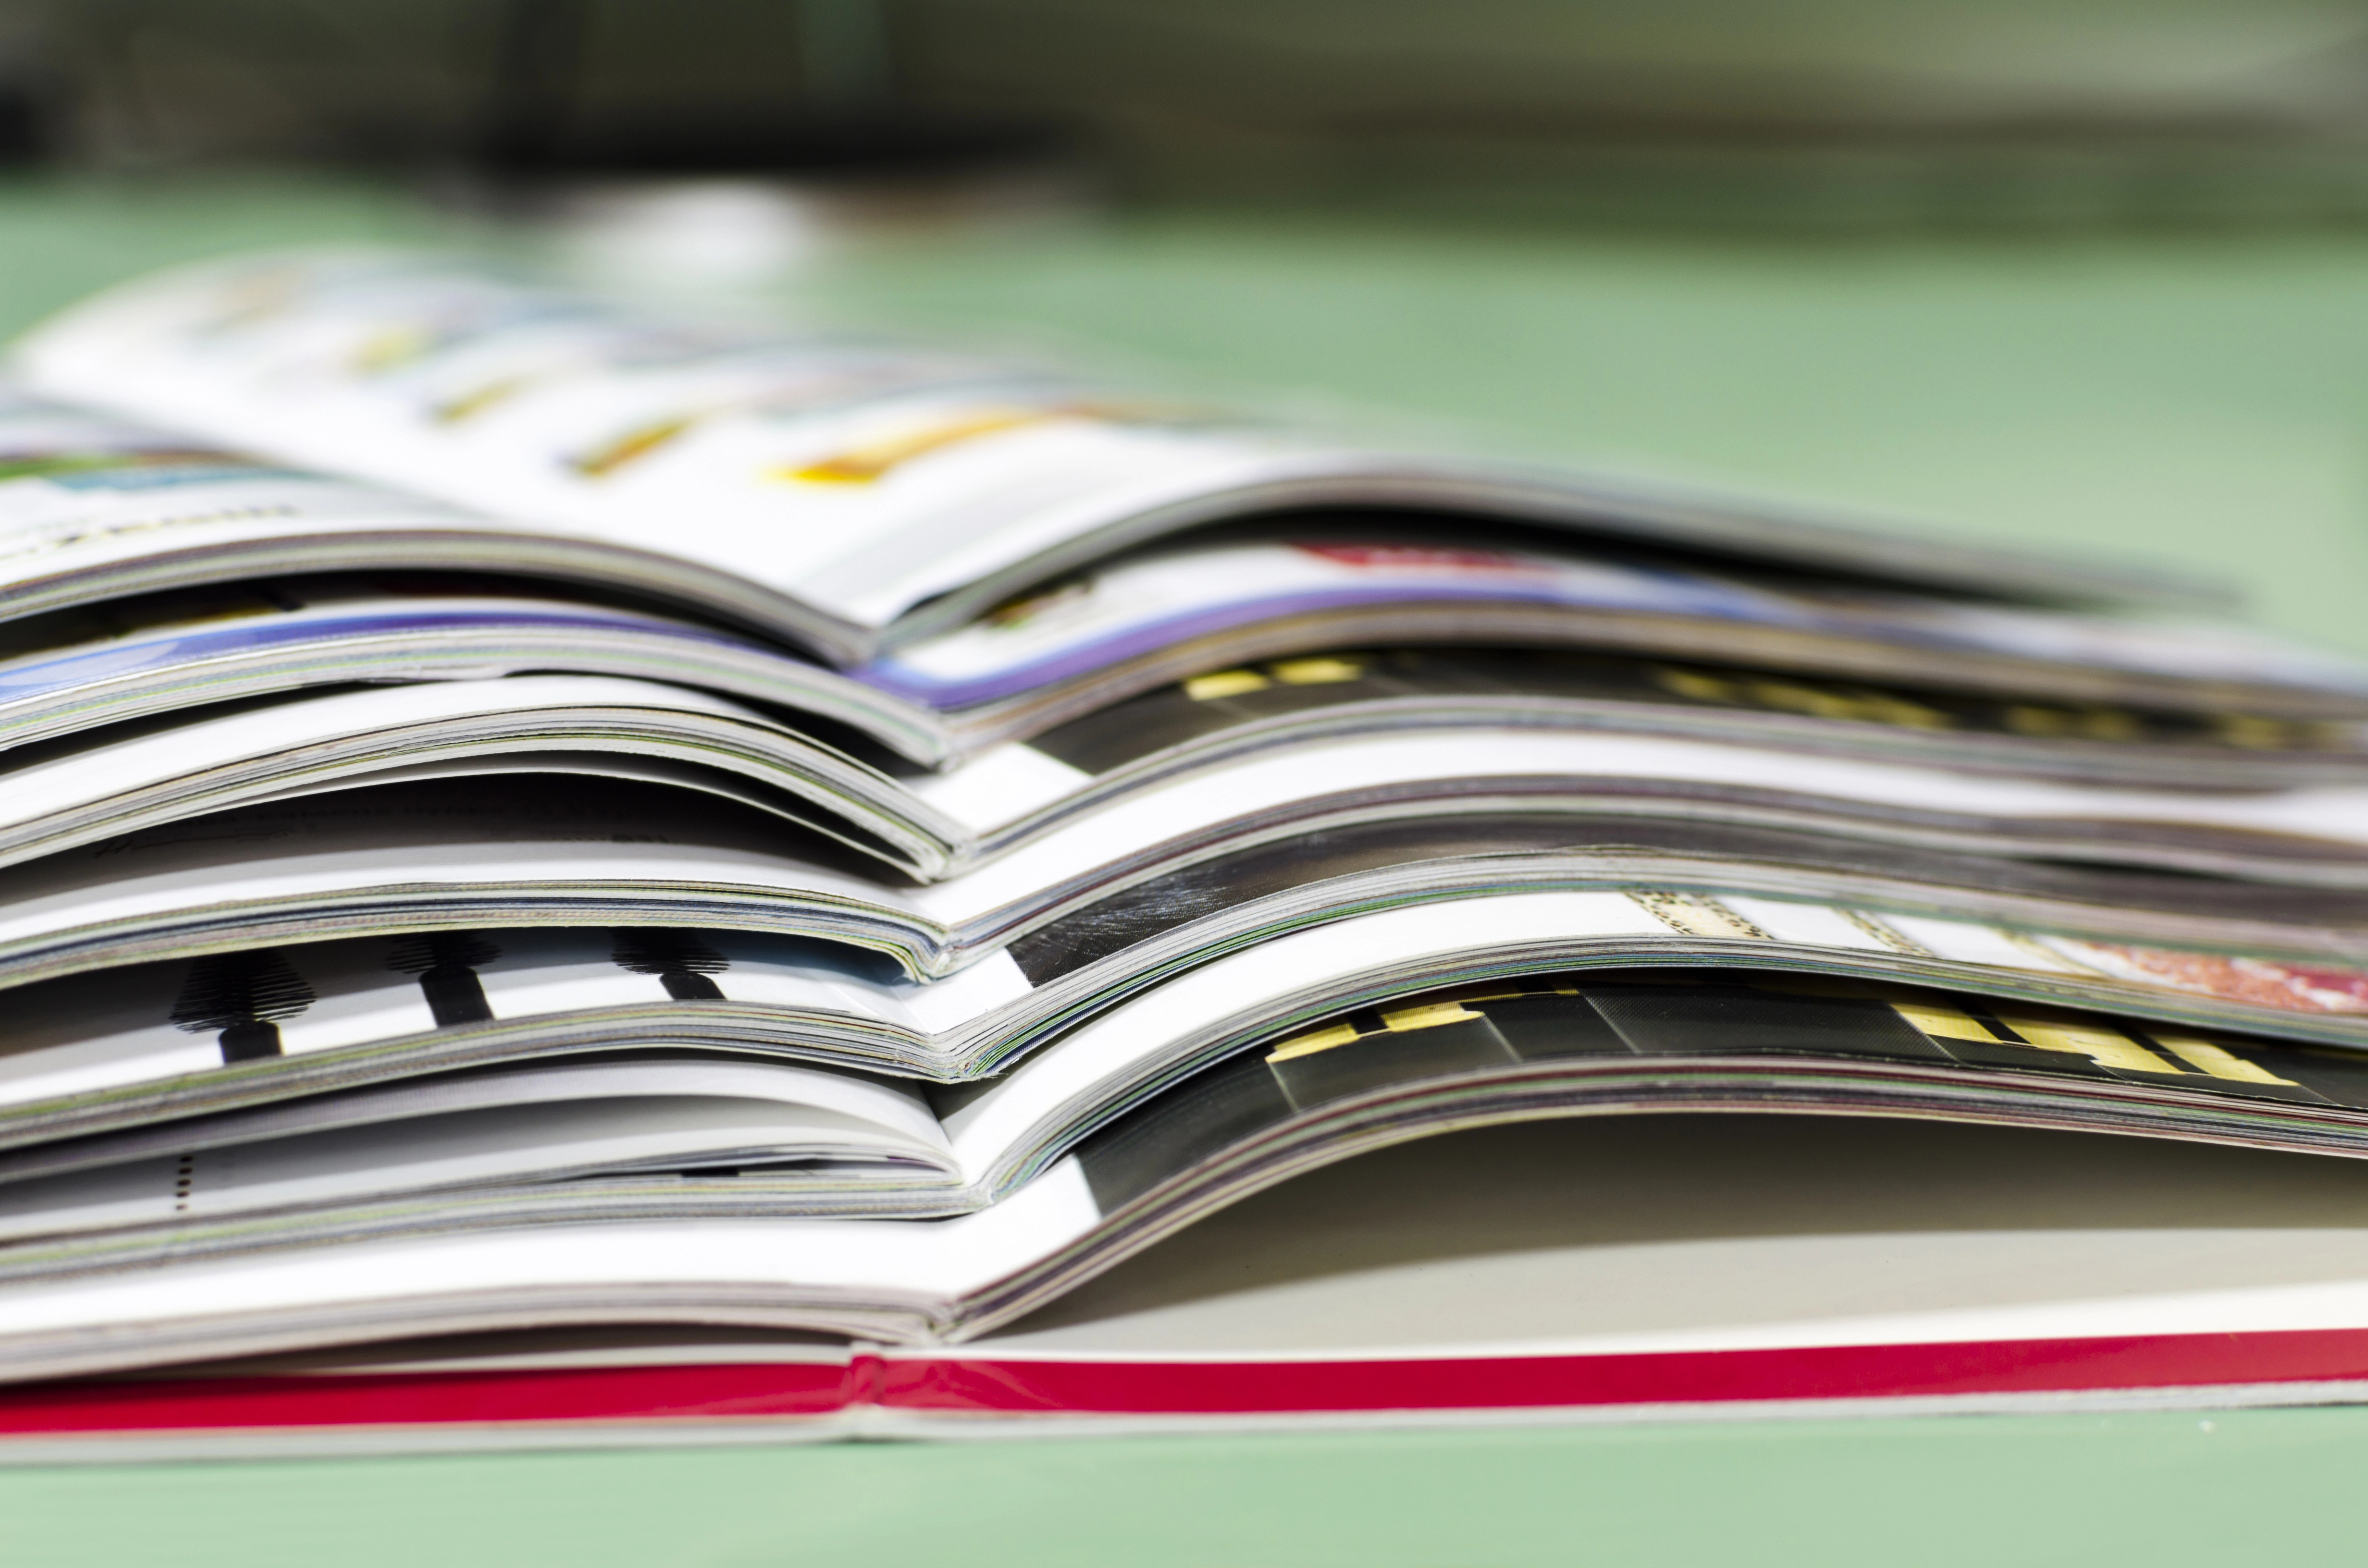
(570,873)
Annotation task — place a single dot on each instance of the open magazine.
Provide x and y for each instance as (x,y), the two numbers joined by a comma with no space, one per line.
(853,495)
(1517,1274)
(276,1246)
(649,841)
(1013,822)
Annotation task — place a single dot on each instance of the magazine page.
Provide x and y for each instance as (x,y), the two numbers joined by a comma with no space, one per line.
(116,782)
(425,858)
(434,853)
(1148,618)
(1704,1287)
(681,1117)
(1289,883)
(1592,1043)
(497,849)
(1550,1045)
(866,477)
(1655,1027)
(892,1110)
(116,1046)
(1004,1003)
(871,1279)
(1350,689)
(1665,1234)
(171,652)
(2311,834)
(93,511)
(1001,1127)
(133,777)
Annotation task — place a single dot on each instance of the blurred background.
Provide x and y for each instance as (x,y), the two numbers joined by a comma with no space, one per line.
(1791,112)
(2091,273)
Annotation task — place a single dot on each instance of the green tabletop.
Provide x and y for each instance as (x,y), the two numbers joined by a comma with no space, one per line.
(2202,402)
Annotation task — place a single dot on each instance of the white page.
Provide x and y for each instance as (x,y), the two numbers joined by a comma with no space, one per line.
(1416,1252)
(570,988)
(633,1271)
(287,746)
(1133,606)
(338,635)
(897,1109)
(1005,470)
(862,477)
(1090,1063)
(127,509)
(1244,786)
(54,899)
(447,1149)
(116,1027)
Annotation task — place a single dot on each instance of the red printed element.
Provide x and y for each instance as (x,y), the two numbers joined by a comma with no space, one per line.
(426,1399)
(949,1384)
(2265,983)
(1821,1372)
(1421,558)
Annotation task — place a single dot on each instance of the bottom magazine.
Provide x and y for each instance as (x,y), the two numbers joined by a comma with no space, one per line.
(1671,1266)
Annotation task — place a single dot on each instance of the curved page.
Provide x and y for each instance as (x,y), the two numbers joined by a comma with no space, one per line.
(119,1047)
(1552,1047)
(566,850)
(867,478)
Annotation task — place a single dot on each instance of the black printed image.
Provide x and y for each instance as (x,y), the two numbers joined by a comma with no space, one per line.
(446,963)
(679,959)
(1476,1034)
(1211,703)
(241,999)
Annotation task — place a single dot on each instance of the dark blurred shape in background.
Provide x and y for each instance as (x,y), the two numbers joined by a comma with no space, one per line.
(1794,112)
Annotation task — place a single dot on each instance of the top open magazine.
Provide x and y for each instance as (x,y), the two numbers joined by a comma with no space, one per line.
(877,491)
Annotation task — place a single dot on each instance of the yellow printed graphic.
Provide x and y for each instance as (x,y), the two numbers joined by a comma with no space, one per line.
(1516,995)
(2256,733)
(1224,683)
(631,447)
(1428,1016)
(2106,1048)
(468,405)
(1821,702)
(1940,1021)
(876,460)
(1402,1020)
(391,349)
(2218,1061)
(2072,723)
(1315,672)
(1695,684)
(1798,697)
(1309,1044)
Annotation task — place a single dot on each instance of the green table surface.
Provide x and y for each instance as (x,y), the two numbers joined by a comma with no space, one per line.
(2198,400)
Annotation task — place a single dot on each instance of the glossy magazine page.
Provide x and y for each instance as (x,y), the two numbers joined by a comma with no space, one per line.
(1018,831)
(570,850)
(1551,1048)
(118,527)
(869,478)
(115,1047)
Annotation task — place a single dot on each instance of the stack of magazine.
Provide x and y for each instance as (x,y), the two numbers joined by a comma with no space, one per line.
(571,874)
